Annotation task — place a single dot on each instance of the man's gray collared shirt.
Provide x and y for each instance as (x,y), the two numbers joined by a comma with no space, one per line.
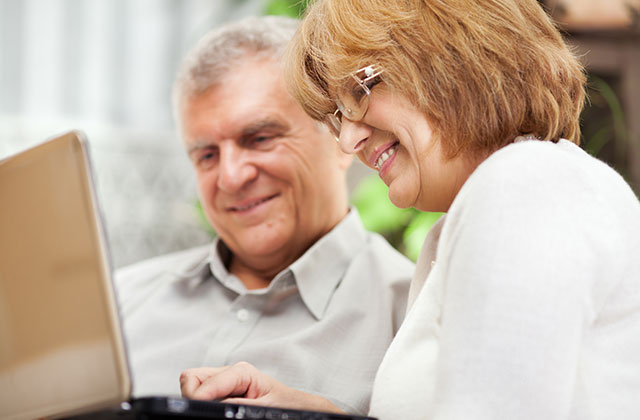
(322,325)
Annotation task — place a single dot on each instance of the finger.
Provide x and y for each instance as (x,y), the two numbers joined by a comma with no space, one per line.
(192,379)
(188,385)
(232,381)
(225,384)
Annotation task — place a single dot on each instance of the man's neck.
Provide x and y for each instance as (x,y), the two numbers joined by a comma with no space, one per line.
(257,273)
(251,278)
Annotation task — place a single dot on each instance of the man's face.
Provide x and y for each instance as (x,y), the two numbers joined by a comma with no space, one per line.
(270,179)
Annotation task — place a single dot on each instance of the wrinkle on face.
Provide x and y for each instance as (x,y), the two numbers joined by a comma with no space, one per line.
(251,116)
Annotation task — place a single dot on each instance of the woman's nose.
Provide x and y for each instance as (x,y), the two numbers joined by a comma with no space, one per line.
(353,135)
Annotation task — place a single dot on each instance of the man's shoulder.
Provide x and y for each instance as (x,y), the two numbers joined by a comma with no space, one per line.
(379,277)
(350,246)
(134,283)
(174,264)
(383,260)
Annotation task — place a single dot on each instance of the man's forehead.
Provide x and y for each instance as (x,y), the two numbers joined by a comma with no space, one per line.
(244,104)
(269,125)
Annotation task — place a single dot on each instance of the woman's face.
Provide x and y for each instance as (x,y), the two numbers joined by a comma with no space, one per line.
(395,139)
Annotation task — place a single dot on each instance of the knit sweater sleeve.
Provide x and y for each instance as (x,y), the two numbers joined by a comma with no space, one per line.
(525,250)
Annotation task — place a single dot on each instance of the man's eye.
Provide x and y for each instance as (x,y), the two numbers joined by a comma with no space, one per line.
(206,160)
(262,140)
(206,156)
(265,138)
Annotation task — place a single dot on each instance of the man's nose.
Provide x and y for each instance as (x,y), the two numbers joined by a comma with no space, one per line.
(353,135)
(235,168)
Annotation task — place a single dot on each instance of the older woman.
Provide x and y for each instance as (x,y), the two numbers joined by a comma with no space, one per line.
(526,299)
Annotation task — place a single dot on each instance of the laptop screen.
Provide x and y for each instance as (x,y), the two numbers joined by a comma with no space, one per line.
(57,348)
(61,347)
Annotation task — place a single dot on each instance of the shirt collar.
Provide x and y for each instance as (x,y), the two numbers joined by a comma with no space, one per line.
(195,268)
(218,261)
(317,273)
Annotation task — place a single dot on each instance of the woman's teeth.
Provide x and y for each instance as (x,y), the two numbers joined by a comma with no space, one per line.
(384,156)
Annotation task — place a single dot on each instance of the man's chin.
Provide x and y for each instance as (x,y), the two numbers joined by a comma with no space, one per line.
(259,246)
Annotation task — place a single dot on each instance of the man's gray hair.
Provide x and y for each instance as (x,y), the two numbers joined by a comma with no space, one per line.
(219,51)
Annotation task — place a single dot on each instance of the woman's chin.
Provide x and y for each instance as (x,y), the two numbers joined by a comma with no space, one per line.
(401,199)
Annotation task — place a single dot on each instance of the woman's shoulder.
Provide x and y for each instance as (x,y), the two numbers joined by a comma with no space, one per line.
(541,159)
(554,195)
(540,169)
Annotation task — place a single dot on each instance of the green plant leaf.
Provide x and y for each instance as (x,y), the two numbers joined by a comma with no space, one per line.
(597,141)
(417,230)
(377,212)
(291,8)
(619,124)
(204,222)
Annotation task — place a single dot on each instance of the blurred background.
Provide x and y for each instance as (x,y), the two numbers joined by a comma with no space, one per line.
(106,67)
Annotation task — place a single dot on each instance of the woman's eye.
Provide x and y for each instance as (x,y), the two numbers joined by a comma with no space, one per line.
(371,83)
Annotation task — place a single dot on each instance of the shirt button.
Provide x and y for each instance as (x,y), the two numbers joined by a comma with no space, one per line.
(243,315)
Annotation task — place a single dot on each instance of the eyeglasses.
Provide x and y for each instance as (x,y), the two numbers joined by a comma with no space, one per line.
(353,98)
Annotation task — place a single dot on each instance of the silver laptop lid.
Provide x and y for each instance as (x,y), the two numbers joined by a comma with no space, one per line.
(61,348)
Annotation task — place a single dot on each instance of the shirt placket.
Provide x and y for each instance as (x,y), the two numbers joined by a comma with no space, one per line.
(243,315)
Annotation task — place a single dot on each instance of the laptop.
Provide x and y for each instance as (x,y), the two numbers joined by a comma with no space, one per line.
(62,351)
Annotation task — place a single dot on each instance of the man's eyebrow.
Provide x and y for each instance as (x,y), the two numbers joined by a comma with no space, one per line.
(247,132)
(199,145)
(268,124)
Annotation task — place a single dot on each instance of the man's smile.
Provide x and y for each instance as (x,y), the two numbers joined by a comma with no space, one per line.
(246,205)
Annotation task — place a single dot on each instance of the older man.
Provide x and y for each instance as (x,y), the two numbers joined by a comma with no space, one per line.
(293,283)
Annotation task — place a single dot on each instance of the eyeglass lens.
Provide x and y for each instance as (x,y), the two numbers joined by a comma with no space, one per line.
(353,99)
(334,122)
